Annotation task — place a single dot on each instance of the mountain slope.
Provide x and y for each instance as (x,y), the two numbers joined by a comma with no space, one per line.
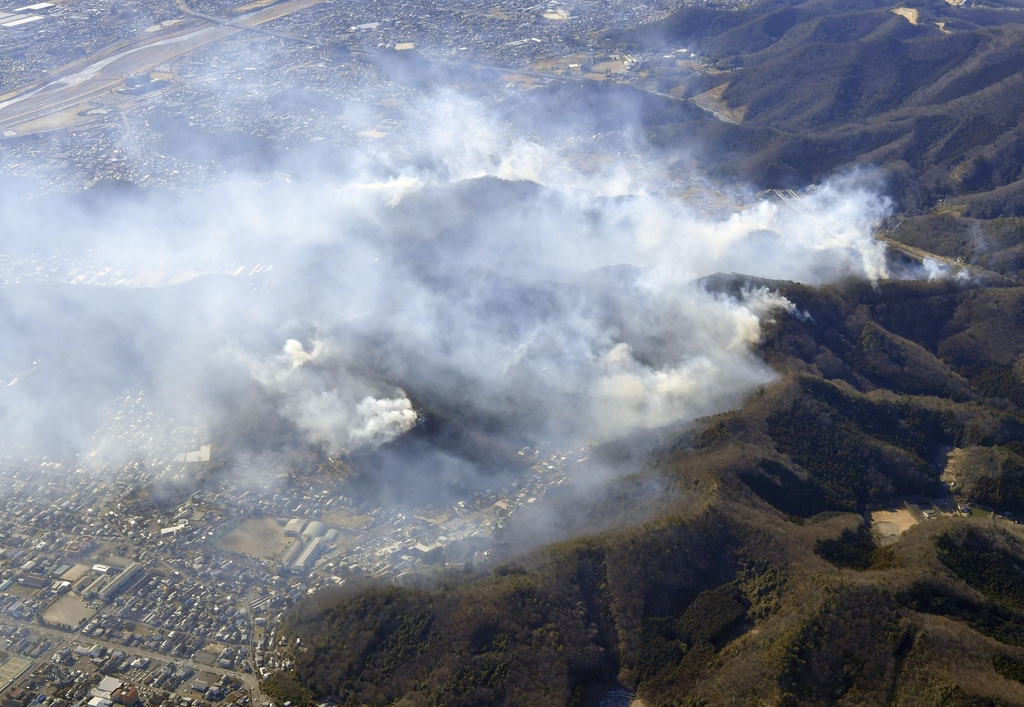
(752,559)
(936,102)
(725,595)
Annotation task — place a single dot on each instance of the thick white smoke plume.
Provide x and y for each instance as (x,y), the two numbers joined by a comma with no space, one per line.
(383,420)
(630,394)
(489,274)
(327,403)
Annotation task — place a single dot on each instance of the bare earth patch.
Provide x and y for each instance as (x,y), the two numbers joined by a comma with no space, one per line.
(712,102)
(954,459)
(908,13)
(344,519)
(68,611)
(892,524)
(256,537)
(76,572)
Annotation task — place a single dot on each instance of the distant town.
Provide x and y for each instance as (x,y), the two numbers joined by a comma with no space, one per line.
(124,584)
(264,85)
(108,596)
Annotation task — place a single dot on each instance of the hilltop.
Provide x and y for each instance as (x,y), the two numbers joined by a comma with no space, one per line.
(816,545)
(933,99)
(756,575)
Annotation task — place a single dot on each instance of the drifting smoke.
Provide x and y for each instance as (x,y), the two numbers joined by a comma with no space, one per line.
(383,420)
(629,394)
(325,402)
(297,352)
(516,294)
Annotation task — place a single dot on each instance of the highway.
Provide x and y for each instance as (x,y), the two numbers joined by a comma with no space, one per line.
(54,101)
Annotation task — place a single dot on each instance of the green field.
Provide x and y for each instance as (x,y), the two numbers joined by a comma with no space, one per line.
(11,668)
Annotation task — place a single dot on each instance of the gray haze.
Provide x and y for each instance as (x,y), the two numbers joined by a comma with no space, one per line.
(485,281)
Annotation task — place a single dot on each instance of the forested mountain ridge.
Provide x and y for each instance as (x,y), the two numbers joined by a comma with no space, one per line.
(757,580)
(739,561)
(933,95)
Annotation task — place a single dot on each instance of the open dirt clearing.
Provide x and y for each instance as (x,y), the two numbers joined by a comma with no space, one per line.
(712,102)
(892,524)
(256,537)
(909,13)
(68,611)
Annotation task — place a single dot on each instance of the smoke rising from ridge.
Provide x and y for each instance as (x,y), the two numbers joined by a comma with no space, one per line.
(488,278)
(329,406)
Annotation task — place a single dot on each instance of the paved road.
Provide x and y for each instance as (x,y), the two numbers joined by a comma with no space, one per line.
(52,102)
(249,681)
